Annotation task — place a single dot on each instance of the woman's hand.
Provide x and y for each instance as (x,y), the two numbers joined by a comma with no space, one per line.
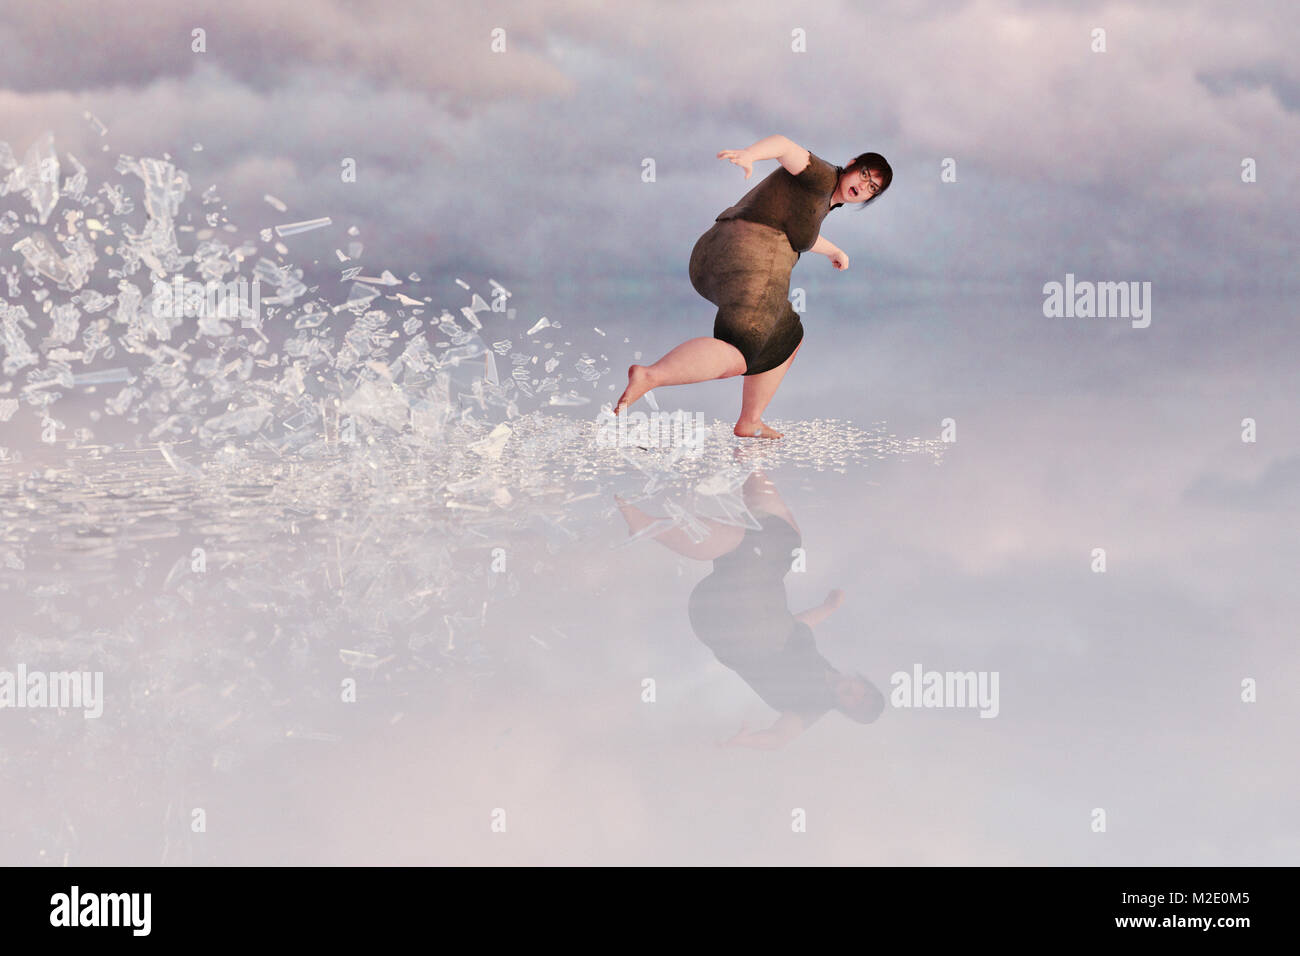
(787,727)
(740,737)
(840,259)
(741,157)
(757,739)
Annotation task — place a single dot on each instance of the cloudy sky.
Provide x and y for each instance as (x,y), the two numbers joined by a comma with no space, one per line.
(1124,163)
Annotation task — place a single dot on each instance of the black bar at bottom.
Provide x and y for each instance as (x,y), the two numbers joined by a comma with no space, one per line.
(335,905)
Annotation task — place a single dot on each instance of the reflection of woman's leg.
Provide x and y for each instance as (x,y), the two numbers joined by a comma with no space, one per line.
(758,391)
(695,360)
(721,539)
(761,496)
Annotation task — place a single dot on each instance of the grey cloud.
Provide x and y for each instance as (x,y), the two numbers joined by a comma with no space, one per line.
(440,50)
(1277,486)
(1112,164)
(1270,77)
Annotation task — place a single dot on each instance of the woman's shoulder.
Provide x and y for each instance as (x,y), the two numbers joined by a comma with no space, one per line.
(818,174)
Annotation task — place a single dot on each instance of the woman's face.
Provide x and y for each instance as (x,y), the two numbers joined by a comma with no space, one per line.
(849,690)
(859,185)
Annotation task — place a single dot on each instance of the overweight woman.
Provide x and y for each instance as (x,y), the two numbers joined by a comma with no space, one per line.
(742,265)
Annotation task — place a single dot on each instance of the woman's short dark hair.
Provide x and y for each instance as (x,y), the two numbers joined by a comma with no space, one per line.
(872,704)
(870,161)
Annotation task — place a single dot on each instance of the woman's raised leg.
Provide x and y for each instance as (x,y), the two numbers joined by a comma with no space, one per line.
(695,360)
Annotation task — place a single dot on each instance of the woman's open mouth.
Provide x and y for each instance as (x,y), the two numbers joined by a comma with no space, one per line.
(853,192)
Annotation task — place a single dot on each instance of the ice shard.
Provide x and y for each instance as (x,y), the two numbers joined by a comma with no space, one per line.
(42,257)
(306,225)
(37,177)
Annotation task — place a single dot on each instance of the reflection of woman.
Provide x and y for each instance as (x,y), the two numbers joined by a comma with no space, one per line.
(740,612)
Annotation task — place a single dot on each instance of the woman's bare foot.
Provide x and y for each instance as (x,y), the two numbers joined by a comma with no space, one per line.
(629,511)
(755,430)
(638,383)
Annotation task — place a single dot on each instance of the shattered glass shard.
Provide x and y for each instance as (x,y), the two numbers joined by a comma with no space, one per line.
(569,398)
(387,278)
(359,296)
(43,257)
(306,225)
(37,177)
(102,376)
(494,444)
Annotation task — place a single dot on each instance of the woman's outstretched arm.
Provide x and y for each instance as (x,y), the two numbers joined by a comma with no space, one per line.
(815,615)
(787,727)
(839,258)
(786,151)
